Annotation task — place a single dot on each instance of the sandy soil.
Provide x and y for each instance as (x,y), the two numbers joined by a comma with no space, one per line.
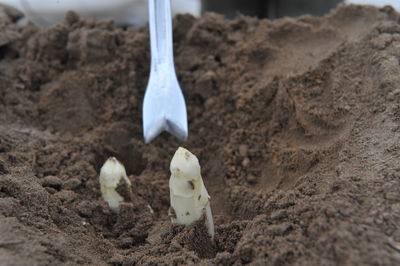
(296,124)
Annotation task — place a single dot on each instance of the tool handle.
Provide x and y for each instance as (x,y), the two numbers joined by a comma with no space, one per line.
(160,22)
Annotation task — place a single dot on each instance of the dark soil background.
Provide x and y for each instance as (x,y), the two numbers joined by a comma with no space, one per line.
(296,124)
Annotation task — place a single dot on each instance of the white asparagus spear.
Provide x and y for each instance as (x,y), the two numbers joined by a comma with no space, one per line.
(190,201)
(111,174)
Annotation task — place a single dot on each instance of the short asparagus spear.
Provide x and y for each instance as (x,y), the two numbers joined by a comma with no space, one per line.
(111,174)
(190,201)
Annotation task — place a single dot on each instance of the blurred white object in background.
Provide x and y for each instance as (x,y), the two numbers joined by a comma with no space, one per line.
(125,12)
(379,3)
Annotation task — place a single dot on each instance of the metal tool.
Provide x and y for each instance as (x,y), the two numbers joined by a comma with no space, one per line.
(164,107)
(122,12)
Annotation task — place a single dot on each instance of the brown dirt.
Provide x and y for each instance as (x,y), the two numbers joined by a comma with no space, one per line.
(296,124)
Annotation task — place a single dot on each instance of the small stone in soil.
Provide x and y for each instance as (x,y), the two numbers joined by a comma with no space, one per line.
(243,150)
(245,162)
(251,179)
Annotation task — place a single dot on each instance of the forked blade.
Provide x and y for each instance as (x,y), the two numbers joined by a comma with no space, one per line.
(164,115)
(164,107)
(164,124)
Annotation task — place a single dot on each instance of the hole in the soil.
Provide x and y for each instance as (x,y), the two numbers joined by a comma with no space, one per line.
(194,68)
(3,168)
(3,51)
(118,142)
(198,99)
(132,159)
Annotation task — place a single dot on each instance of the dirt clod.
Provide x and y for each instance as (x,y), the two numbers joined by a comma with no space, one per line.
(52,181)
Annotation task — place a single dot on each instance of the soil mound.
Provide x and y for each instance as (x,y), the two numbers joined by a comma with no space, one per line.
(296,123)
